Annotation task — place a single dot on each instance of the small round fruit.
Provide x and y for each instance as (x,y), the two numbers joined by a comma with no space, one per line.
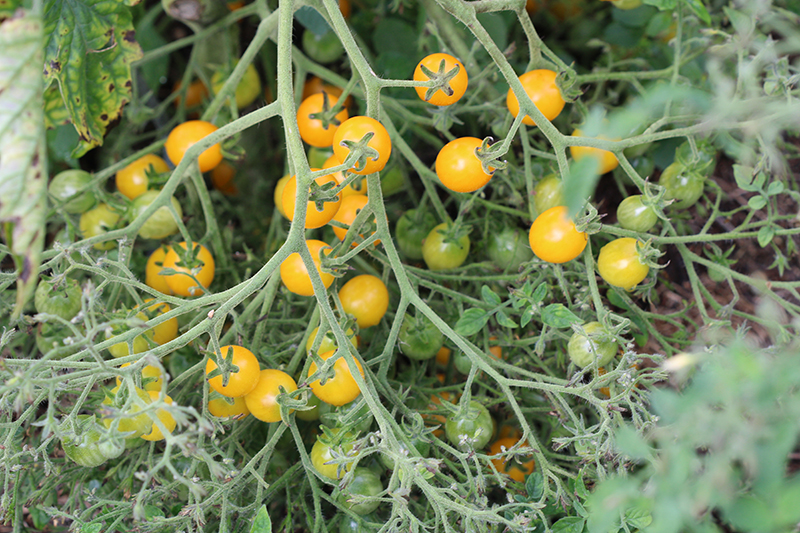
(364,484)
(348,212)
(196,92)
(357,186)
(152,378)
(682,185)
(262,400)
(619,264)
(166,331)
(98,221)
(312,129)
(470,430)
(379,146)
(160,224)
(181,283)
(633,215)
(342,387)
(322,456)
(155,264)
(278,196)
(163,415)
(606,161)
(366,298)
(548,193)
(136,424)
(222,177)
(325,48)
(458,168)
(508,249)
(440,253)
(62,298)
(183,136)
(314,217)
(90,446)
(240,382)
(248,89)
(328,342)
(595,345)
(419,338)
(294,273)
(540,86)
(228,407)
(140,344)
(442,63)
(510,466)
(64,188)
(411,230)
(554,238)
(132,181)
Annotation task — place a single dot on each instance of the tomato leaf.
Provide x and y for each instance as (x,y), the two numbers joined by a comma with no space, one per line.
(744,177)
(94,527)
(776,187)
(569,524)
(765,235)
(757,202)
(91,68)
(7,7)
(638,517)
(23,173)
(539,293)
(699,9)
(489,296)
(662,5)
(558,316)
(534,486)
(471,322)
(261,522)
(504,320)
(527,316)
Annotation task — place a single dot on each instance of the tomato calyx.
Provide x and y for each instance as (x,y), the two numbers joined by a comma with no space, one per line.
(361,153)
(439,80)
(649,254)
(328,114)
(588,221)
(488,153)
(225,365)
(696,156)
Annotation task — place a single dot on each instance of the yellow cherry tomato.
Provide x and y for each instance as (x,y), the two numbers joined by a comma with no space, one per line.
(132,181)
(153,277)
(606,161)
(165,418)
(314,217)
(262,400)
(228,407)
(554,238)
(241,381)
(342,387)
(294,273)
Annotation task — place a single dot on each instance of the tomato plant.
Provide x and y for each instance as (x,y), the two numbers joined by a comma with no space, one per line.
(442,251)
(294,273)
(132,181)
(185,135)
(199,264)
(594,344)
(242,379)
(58,297)
(540,86)
(377,150)
(261,401)
(366,298)
(508,249)
(70,190)
(347,213)
(342,387)
(313,129)
(160,224)
(163,416)
(247,90)
(619,263)
(459,168)
(554,238)
(360,495)
(450,71)
(96,222)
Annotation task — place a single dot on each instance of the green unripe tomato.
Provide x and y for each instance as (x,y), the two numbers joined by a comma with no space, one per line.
(548,193)
(411,230)
(62,299)
(392,181)
(683,186)
(248,90)
(52,336)
(90,445)
(597,344)
(365,483)
(64,187)
(508,249)
(475,427)
(325,48)
(422,448)
(633,215)
(419,338)
(161,224)
(442,253)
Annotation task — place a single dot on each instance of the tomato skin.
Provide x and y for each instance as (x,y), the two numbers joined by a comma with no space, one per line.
(261,401)
(548,193)
(98,221)
(137,424)
(220,408)
(354,129)
(322,453)
(342,387)
(222,178)
(240,382)
(633,215)
(511,467)
(419,338)
(441,255)
(132,181)
(165,331)
(160,224)
(248,89)
(606,161)
(163,415)
(196,92)
(540,86)
(183,136)
(554,238)
(475,424)
(90,446)
(280,186)
(596,344)
(411,230)
(355,187)
(365,483)
(153,269)
(347,213)
(366,298)
(508,249)
(153,375)
(294,274)
(62,299)
(325,48)
(65,185)
(314,218)
(140,343)
(458,168)
(683,186)
(312,130)
(458,83)
(183,285)
(328,341)
(619,264)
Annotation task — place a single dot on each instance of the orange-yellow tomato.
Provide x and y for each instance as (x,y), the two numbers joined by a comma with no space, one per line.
(155,264)
(511,467)
(443,63)
(196,92)
(358,186)
(314,217)
(167,330)
(342,387)
(185,135)
(606,161)
(294,273)
(312,130)
(132,180)
(222,179)
(228,407)
(181,283)
(163,416)
(348,212)
(540,86)
(240,382)
(152,378)
(262,400)
(278,195)
(554,238)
